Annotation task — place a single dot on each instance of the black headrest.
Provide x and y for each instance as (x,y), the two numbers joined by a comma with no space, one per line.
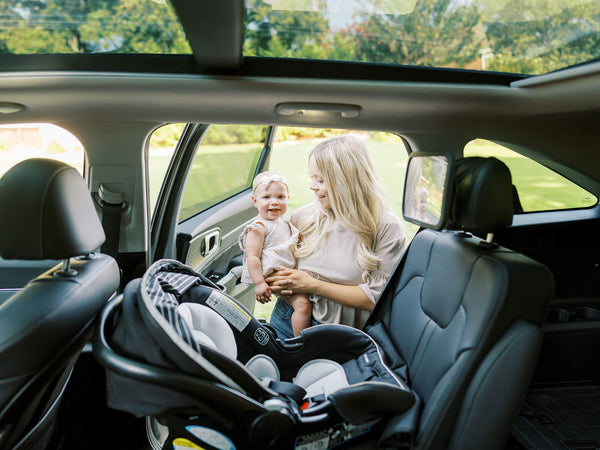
(47,212)
(483,195)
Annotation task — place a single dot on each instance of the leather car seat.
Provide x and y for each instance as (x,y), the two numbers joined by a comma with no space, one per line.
(47,213)
(462,321)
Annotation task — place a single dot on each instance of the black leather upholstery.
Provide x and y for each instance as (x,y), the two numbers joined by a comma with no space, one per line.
(483,200)
(47,212)
(464,318)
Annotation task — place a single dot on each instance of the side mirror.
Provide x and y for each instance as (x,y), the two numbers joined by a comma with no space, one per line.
(427,189)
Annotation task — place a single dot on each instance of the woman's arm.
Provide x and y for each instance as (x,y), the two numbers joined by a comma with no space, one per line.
(286,282)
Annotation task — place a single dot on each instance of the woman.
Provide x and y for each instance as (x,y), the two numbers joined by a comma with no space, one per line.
(349,240)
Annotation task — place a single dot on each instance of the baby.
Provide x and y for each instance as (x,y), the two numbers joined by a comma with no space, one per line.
(268,242)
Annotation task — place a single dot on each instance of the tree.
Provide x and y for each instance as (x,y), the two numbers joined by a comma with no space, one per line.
(538,36)
(67,26)
(435,33)
(274,32)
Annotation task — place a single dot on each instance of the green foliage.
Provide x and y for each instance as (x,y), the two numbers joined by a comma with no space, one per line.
(167,136)
(440,33)
(297,133)
(526,36)
(233,134)
(553,37)
(293,34)
(74,26)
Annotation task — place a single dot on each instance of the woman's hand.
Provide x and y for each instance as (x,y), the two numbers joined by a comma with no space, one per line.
(286,282)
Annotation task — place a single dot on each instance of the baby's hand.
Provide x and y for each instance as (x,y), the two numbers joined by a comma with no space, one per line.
(262,292)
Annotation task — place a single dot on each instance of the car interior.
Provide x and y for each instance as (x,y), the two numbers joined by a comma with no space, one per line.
(450,348)
(167,110)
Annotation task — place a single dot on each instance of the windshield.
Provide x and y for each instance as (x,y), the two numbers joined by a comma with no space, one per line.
(516,36)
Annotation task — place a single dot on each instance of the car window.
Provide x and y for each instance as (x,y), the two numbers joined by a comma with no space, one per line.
(38,140)
(161,147)
(292,145)
(539,188)
(224,164)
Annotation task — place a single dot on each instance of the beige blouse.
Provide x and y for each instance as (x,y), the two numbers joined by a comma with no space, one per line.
(336,260)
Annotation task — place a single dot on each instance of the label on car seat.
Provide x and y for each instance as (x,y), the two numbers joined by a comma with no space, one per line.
(184,444)
(229,310)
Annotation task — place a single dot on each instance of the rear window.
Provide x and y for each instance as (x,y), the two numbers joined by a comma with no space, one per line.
(38,140)
(539,188)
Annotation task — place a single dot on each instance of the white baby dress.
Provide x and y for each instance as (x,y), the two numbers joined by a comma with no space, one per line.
(280,238)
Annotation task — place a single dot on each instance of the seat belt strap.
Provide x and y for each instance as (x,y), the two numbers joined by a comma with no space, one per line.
(112,205)
(288,389)
(391,283)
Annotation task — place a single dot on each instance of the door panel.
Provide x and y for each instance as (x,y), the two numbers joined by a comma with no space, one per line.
(218,230)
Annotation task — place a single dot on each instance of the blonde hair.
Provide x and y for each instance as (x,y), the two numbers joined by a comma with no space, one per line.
(355,195)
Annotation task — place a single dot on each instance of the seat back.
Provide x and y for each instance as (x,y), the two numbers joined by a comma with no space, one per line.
(464,316)
(47,213)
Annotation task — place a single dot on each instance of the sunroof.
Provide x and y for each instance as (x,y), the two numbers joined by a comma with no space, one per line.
(516,36)
(90,26)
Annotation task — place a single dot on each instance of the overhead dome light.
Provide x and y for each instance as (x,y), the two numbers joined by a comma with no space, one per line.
(308,109)
(10,108)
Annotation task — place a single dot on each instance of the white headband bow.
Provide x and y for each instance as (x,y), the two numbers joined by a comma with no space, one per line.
(270,178)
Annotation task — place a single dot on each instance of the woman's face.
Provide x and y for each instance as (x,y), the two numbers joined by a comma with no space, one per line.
(317,185)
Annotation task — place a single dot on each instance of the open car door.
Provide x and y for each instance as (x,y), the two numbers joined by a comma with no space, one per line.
(205,201)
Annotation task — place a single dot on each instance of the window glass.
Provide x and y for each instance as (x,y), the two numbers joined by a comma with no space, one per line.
(163,143)
(38,140)
(290,157)
(224,165)
(539,188)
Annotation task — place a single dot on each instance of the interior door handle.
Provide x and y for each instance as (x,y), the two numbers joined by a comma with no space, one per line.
(209,244)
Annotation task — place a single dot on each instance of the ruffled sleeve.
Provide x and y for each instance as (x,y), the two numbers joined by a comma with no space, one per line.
(389,247)
(252,226)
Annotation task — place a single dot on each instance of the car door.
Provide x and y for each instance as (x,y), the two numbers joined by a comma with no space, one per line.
(205,201)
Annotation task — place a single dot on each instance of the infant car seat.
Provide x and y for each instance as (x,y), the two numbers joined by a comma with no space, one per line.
(442,363)
(274,392)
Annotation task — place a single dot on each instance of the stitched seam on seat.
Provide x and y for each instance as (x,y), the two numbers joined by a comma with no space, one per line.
(417,348)
(399,288)
(464,289)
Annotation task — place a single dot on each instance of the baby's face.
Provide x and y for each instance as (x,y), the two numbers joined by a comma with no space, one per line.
(271,201)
